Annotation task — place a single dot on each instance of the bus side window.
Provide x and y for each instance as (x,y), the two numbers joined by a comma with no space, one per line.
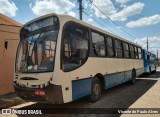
(126,50)
(118,48)
(136,52)
(148,57)
(140,53)
(74,47)
(110,47)
(98,44)
(131,51)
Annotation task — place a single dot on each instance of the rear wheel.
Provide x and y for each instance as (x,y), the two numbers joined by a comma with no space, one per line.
(150,70)
(96,90)
(133,80)
(155,69)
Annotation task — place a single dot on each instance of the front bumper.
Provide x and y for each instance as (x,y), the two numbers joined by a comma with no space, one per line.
(53,94)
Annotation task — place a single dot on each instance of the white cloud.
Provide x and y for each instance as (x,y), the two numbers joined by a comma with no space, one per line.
(153,42)
(109,10)
(128,11)
(90,19)
(8,8)
(145,21)
(122,1)
(106,6)
(71,13)
(43,7)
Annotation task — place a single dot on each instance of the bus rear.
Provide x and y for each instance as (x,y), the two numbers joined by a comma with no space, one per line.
(150,62)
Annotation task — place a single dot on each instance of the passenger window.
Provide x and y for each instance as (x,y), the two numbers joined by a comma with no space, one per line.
(75,47)
(110,47)
(148,56)
(126,50)
(131,51)
(136,52)
(139,53)
(118,48)
(98,44)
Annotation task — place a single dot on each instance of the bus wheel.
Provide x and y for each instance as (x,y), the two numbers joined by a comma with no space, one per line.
(155,69)
(133,80)
(96,90)
(150,70)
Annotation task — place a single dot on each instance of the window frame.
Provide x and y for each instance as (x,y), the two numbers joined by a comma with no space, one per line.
(62,43)
(136,52)
(100,34)
(130,45)
(113,46)
(126,50)
(121,43)
(140,52)
(50,28)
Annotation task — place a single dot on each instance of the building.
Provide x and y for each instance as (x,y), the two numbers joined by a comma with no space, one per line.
(9,38)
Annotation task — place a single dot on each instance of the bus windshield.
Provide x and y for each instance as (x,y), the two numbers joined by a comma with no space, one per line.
(36,50)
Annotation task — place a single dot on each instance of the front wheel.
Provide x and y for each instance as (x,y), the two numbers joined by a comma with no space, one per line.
(96,90)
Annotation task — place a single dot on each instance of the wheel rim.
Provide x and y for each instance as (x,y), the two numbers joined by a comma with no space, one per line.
(96,89)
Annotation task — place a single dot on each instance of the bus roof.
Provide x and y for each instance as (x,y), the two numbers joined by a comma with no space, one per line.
(70,18)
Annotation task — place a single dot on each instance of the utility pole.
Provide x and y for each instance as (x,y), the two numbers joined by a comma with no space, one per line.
(80,9)
(147,43)
(157,53)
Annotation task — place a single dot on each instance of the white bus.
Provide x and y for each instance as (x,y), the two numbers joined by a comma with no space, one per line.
(60,59)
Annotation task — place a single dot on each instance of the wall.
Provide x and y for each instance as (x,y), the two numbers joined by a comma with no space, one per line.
(7,57)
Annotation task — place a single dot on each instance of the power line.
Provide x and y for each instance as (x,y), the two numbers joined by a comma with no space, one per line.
(154,47)
(99,19)
(126,17)
(96,20)
(111,19)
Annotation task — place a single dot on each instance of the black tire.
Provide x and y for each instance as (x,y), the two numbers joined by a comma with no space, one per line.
(155,70)
(133,80)
(150,70)
(96,90)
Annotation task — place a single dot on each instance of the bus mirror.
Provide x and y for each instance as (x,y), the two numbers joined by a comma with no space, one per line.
(6,44)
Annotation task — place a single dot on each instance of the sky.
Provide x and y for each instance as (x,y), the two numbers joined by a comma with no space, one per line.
(134,20)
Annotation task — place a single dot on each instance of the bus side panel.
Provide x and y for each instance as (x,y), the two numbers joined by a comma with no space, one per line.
(107,81)
(127,75)
(139,71)
(81,88)
(112,80)
(128,66)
